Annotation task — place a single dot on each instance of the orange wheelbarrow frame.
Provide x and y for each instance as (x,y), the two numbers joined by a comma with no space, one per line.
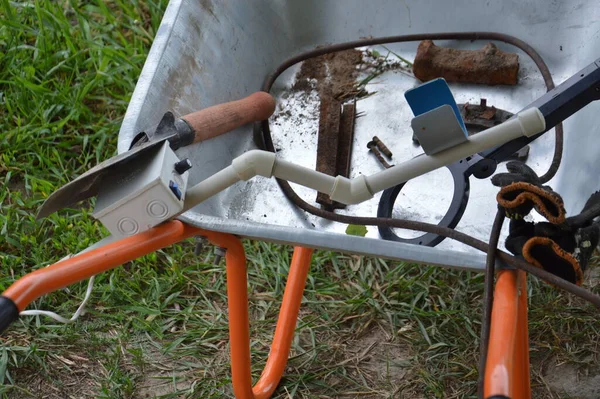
(507,368)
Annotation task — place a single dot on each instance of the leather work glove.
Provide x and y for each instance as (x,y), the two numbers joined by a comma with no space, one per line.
(521,191)
(561,249)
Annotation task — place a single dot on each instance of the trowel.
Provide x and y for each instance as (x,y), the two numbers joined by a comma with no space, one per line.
(119,175)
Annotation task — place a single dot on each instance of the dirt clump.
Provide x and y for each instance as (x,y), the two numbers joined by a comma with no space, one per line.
(333,75)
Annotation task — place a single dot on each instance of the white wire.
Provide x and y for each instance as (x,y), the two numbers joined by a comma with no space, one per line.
(58,317)
(88,292)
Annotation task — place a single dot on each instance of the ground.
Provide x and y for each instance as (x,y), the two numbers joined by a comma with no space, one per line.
(157,327)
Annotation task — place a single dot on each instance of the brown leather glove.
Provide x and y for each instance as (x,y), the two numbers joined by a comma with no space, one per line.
(561,249)
(521,191)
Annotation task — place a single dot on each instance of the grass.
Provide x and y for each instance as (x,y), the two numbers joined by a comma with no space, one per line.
(368,328)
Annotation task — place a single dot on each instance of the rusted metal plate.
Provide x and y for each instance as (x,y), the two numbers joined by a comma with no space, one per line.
(327,144)
(334,146)
(488,65)
(346,137)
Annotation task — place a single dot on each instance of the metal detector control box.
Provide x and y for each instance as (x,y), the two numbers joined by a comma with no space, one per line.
(144,193)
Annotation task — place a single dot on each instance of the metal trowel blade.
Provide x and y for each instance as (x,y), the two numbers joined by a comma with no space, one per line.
(87,185)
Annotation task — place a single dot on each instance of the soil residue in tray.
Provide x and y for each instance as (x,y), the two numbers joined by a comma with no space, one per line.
(335,74)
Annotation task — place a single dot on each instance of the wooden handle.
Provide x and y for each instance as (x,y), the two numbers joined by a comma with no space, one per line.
(219,119)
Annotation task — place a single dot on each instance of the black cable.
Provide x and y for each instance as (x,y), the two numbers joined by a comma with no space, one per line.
(262,130)
(488,297)
(472,36)
(458,236)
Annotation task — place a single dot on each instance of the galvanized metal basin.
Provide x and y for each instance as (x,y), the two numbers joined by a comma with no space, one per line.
(207,52)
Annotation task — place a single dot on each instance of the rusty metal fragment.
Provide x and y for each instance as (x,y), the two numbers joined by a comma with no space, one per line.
(327,143)
(382,147)
(373,149)
(345,139)
(334,145)
(482,116)
(488,65)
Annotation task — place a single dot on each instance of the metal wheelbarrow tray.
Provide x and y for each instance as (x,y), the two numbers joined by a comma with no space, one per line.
(209,52)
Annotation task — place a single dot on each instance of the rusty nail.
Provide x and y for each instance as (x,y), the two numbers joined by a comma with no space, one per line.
(382,147)
(379,157)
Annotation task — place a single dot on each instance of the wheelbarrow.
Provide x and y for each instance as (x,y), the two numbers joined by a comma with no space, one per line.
(207,53)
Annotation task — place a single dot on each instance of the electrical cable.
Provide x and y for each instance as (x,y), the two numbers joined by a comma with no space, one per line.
(86,298)
(471,36)
(488,297)
(262,130)
(59,318)
(457,236)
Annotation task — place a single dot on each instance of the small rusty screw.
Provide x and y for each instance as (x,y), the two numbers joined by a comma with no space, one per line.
(373,149)
(219,253)
(382,147)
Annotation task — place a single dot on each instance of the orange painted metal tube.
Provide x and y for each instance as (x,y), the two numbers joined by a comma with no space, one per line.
(239,328)
(500,365)
(521,376)
(83,266)
(239,324)
(286,325)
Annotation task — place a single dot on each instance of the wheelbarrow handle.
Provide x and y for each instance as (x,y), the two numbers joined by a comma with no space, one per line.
(87,264)
(222,118)
(8,312)
(556,105)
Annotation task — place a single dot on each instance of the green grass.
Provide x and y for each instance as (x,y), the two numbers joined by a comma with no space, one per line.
(368,328)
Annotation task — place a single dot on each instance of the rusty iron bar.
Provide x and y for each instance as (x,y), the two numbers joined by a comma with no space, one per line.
(346,137)
(334,145)
(488,65)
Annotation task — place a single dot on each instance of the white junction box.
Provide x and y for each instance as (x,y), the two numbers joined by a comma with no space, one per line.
(144,193)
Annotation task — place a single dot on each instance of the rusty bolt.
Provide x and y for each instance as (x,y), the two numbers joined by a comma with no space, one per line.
(373,149)
(382,147)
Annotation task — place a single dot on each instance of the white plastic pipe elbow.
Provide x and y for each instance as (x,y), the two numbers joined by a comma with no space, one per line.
(350,191)
(254,163)
(353,191)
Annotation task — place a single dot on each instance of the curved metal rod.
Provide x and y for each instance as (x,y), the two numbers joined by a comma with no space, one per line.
(87,264)
(239,329)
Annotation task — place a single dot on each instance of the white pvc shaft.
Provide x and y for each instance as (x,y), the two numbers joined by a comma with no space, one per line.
(209,187)
(527,123)
(304,176)
(252,163)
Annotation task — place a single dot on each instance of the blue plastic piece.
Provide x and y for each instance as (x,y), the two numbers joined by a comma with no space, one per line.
(438,130)
(175,189)
(432,95)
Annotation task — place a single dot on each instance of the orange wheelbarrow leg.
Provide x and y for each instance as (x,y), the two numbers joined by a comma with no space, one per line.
(239,328)
(507,366)
(521,375)
(69,271)
(43,281)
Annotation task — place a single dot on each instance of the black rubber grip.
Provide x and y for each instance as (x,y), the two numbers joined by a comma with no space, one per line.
(8,312)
